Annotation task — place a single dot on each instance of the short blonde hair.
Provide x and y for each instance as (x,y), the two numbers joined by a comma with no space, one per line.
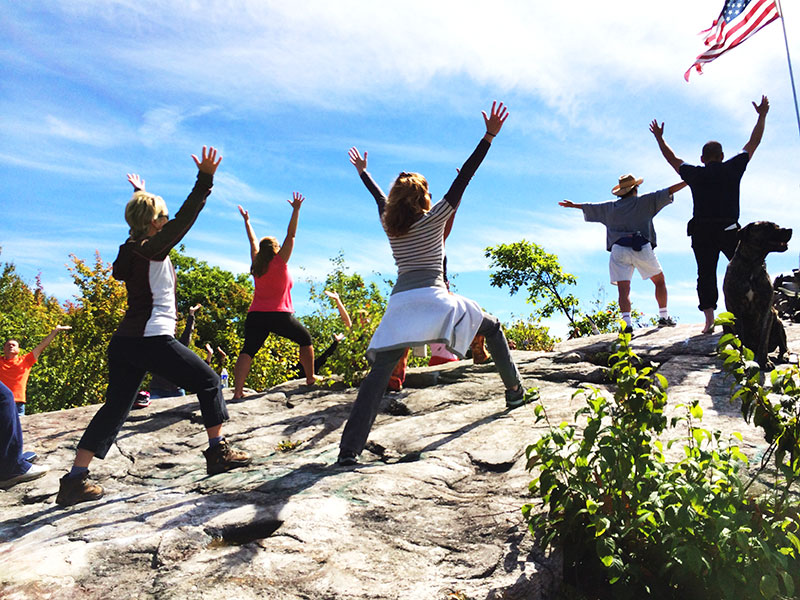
(142,209)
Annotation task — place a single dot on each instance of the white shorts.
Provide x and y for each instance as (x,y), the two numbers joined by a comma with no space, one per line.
(624,260)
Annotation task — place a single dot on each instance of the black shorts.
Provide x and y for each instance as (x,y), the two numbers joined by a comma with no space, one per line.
(258,325)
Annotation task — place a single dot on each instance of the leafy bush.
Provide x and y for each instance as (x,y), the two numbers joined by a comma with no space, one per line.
(630,523)
(776,409)
(529,335)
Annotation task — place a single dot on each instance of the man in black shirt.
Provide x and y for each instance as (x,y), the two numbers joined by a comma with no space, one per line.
(715,194)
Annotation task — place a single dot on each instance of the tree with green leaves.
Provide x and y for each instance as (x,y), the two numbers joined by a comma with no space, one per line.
(225,298)
(527,265)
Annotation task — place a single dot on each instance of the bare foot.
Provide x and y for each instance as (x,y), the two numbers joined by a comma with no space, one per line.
(709,315)
(314,379)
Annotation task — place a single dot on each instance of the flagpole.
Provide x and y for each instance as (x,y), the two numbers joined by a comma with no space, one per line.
(789,60)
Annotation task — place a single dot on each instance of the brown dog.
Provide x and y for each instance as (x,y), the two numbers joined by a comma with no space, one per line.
(748,290)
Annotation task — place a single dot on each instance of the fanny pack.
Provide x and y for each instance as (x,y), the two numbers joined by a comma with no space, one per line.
(635,241)
(699,225)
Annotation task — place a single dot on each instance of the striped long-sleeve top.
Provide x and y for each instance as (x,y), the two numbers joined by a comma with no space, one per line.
(422,248)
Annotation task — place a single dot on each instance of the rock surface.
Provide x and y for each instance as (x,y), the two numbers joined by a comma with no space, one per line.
(437,514)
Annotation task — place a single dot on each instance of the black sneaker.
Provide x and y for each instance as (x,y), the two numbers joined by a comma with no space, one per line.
(72,490)
(628,329)
(667,322)
(223,457)
(347,460)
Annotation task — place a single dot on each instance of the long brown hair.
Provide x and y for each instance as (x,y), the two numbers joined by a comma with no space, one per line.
(268,247)
(408,200)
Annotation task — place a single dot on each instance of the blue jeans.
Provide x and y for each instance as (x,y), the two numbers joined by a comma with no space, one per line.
(129,358)
(11,461)
(371,390)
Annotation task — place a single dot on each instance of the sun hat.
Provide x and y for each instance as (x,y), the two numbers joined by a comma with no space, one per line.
(626,184)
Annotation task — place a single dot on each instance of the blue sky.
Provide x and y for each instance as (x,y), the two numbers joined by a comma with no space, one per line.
(92,90)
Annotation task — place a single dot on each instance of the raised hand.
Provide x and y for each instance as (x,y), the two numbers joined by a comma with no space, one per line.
(569,204)
(763,108)
(357,161)
(658,130)
(331,294)
(209,162)
(62,328)
(136,181)
(297,200)
(244,213)
(195,308)
(494,122)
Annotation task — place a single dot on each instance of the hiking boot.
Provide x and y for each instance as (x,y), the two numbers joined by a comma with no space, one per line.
(223,458)
(478,348)
(34,472)
(346,460)
(628,329)
(515,398)
(667,322)
(72,490)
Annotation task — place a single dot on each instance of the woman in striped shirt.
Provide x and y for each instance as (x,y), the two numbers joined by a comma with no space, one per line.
(421,310)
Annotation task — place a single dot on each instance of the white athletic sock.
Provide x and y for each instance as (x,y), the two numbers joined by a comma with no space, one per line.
(663,313)
(626,316)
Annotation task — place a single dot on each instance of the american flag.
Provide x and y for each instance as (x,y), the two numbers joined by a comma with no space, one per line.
(738,20)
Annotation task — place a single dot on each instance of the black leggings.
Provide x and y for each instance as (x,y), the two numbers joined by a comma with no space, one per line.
(258,325)
(129,358)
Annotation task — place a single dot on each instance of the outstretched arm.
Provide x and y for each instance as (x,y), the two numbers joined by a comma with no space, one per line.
(50,337)
(494,123)
(758,131)
(658,132)
(360,163)
(251,234)
(676,187)
(158,246)
(570,204)
(342,310)
(288,244)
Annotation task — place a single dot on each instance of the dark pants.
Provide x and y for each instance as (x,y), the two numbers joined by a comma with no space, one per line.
(370,393)
(707,246)
(129,358)
(11,462)
(319,360)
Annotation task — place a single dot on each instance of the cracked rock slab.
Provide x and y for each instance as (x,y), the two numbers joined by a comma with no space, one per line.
(436,510)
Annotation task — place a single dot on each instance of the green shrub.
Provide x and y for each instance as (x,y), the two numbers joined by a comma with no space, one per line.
(631,524)
(529,334)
